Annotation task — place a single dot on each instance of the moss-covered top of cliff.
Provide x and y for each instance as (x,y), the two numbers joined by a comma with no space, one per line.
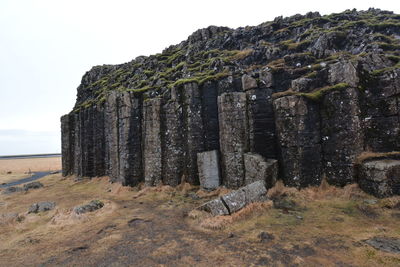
(300,43)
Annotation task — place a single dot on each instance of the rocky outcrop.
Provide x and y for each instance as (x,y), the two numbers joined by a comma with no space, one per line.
(380,178)
(312,92)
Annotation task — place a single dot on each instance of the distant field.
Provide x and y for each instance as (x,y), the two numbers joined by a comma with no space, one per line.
(14,169)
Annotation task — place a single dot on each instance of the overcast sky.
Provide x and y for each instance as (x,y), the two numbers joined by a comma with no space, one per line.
(47,45)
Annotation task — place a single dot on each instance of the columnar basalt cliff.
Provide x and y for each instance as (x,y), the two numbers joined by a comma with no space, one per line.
(320,94)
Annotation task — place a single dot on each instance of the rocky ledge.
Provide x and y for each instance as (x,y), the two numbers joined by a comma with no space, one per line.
(299,98)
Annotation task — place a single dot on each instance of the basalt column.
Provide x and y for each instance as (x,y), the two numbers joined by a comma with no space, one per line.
(173,142)
(87,144)
(233,137)
(152,141)
(382,113)
(192,114)
(99,142)
(261,122)
(112,135)
(78,121)
(342,136)
(129,141)
(209,96)
(67,144)
(298,132)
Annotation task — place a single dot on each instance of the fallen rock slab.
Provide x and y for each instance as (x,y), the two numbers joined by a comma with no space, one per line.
(386,244)
(41,207)
(236,200)
(91,206)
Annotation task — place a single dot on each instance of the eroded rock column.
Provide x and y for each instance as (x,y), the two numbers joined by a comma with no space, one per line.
(112,135)
(298,131)
(67,144)
(130,135)
(192,113)
(233,137)
(152,141)
(342,136)
(173,145)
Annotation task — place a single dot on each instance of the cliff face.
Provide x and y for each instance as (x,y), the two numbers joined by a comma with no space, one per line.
(314,92)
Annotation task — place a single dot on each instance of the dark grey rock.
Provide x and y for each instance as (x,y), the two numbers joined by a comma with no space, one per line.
(208,166)
(41,207)
(233,137)
(89,207)
(33,185)
(266,237)
(152,141)
(298,130)
(12,189)
(387,244)
(380,178)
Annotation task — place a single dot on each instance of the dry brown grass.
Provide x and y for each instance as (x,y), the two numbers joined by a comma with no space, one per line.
(368,155)
(15,169)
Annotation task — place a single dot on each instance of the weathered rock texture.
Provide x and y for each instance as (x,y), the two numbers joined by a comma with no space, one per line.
(237,199)
(208,165)
(312,92)
(380,178)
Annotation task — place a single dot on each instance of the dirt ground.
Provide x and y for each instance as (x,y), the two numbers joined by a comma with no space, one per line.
(323,226)
(14,169)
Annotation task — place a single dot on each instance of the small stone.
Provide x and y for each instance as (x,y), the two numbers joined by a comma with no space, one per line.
(12,189)
(41,207)
(248,82)
(91,206)
(265,237)
(33,185)
(386,244)
(370,201)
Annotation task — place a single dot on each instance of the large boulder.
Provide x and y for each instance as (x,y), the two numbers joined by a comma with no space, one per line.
(380,178)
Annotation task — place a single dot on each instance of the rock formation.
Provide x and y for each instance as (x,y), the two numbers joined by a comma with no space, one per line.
(313,92)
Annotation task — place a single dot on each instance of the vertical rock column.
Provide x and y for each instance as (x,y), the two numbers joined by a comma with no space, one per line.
(261,122)
(87,144)
(233,137)
(381,110)
(192,104)
(152,141)
(173,145)
(77,118)
(342,136)
(112,135)
(298,132)
(99,142)
(67,144)
(210,116)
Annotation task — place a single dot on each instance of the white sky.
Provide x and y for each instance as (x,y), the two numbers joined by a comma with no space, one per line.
(47,45)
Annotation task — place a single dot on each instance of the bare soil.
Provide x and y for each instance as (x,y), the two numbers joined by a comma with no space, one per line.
(157,226)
